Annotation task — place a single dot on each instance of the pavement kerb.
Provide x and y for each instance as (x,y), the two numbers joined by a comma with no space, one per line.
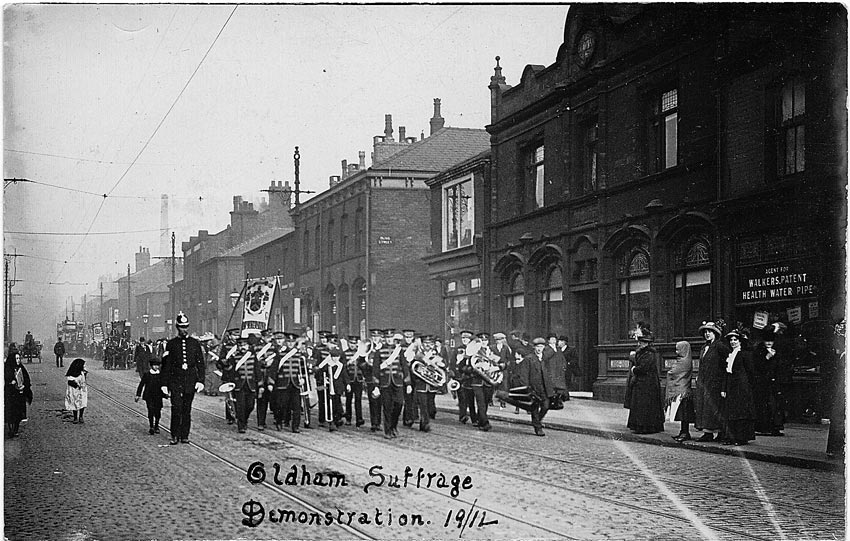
(798,462)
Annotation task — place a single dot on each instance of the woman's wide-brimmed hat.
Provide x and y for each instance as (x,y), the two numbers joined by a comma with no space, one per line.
(711,326)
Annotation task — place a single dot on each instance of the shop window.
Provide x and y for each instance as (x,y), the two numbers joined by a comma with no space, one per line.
(791,139)
(663,137)
(515,302)
(634,292)
(692,288)
(552,296)
(459,215)
(461,306)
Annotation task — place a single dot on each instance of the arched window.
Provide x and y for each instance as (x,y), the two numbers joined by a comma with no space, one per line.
(552,297)
(515,301)
(359,308)
(342,310)
(692,286)
(329,318)
(634,290)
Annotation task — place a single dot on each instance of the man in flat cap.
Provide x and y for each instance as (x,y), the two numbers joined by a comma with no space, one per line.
(532,373)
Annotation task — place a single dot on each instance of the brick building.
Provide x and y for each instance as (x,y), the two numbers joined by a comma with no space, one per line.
(361,242)
(214,266)
(674,162)
(148,294)
(459,209)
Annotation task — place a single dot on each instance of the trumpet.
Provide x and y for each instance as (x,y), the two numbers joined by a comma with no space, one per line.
(308,388)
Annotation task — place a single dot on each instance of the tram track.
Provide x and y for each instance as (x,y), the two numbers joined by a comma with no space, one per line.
(367,437)
(303,503)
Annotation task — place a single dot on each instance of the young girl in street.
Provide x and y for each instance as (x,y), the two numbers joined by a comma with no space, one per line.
(149,389)
(77,394)
(18,391)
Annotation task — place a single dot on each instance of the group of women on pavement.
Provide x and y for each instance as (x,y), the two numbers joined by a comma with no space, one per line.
(737,392)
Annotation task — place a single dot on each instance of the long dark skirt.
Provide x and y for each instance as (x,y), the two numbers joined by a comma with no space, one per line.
(686,412)
(739,430)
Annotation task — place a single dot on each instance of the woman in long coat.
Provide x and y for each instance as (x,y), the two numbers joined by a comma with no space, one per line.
(767,393)
(77,393)
(646,414)
(17,390)
(709,383)
(737,411)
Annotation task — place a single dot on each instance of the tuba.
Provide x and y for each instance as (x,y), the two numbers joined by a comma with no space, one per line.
(427,370)
(483,362)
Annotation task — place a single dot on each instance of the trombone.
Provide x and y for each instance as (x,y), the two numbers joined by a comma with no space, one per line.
(307,387)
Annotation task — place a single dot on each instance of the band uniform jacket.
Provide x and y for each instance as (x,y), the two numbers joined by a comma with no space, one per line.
(282,375)
(338,382)
(247,376)
(397,374)
(183,352)
(532,372)
(463,368)
(355,368)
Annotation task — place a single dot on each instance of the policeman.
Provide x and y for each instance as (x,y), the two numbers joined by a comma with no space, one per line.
(182,377)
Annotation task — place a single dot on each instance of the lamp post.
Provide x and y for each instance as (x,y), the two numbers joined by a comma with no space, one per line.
(145,318)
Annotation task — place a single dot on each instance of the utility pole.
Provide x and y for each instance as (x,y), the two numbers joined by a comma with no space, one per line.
(173,263)
(101,302)
(129,298)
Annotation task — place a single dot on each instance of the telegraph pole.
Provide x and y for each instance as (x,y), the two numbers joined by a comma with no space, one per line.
(129,298)
(101,302)
(173,263)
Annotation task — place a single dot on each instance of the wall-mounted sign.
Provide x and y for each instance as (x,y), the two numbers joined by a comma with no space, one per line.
(385,239)
(795,314)
(767,283)
(814,310)
(760,320)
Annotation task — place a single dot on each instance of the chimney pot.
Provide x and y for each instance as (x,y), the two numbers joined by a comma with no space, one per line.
(437,121)
(344,168)
(402,133)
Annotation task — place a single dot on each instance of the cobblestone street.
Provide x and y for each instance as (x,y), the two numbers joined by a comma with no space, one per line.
(109,479)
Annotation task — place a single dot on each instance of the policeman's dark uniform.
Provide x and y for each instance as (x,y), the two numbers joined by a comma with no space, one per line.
(183,367)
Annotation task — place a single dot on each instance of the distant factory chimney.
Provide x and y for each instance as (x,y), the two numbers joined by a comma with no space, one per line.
(164,233)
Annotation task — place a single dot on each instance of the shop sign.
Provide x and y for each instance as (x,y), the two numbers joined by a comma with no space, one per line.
(760,320)
(795,314)
(777,282)
(813,310)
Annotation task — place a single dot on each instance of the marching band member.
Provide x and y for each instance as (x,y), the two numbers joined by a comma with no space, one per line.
(503,350)
(426,393)
(225,365)
(246,375)
(331,374)
(371,365)
(305,349)
(321,350)
(265,358)
(482,391)
(411,344)
(464,375)
(285,371)
(182,377)
(356,368)
(393,378)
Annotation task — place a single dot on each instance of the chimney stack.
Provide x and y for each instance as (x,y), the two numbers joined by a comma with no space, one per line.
(344,169)
(143,259)
(402,134)
(362,156)
(333,180)
(437,121)
(388,128)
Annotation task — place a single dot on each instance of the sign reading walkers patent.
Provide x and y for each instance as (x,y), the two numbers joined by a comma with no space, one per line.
(258,303)
(767,283)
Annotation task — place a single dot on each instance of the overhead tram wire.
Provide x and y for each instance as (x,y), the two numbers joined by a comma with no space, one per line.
(77,233)
(153,134)
(103,195)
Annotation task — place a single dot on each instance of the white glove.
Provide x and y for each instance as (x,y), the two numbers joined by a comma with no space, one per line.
(348,388)
(722,394)
(199,387)
(409,389)
(376,392)
(164,390)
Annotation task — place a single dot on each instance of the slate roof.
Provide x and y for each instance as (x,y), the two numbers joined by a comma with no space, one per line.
(445,148)
(255,242)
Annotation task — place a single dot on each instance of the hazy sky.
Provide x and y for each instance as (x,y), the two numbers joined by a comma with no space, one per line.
(206,102)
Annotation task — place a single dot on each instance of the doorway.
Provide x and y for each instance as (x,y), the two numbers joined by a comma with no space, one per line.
(587,337)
